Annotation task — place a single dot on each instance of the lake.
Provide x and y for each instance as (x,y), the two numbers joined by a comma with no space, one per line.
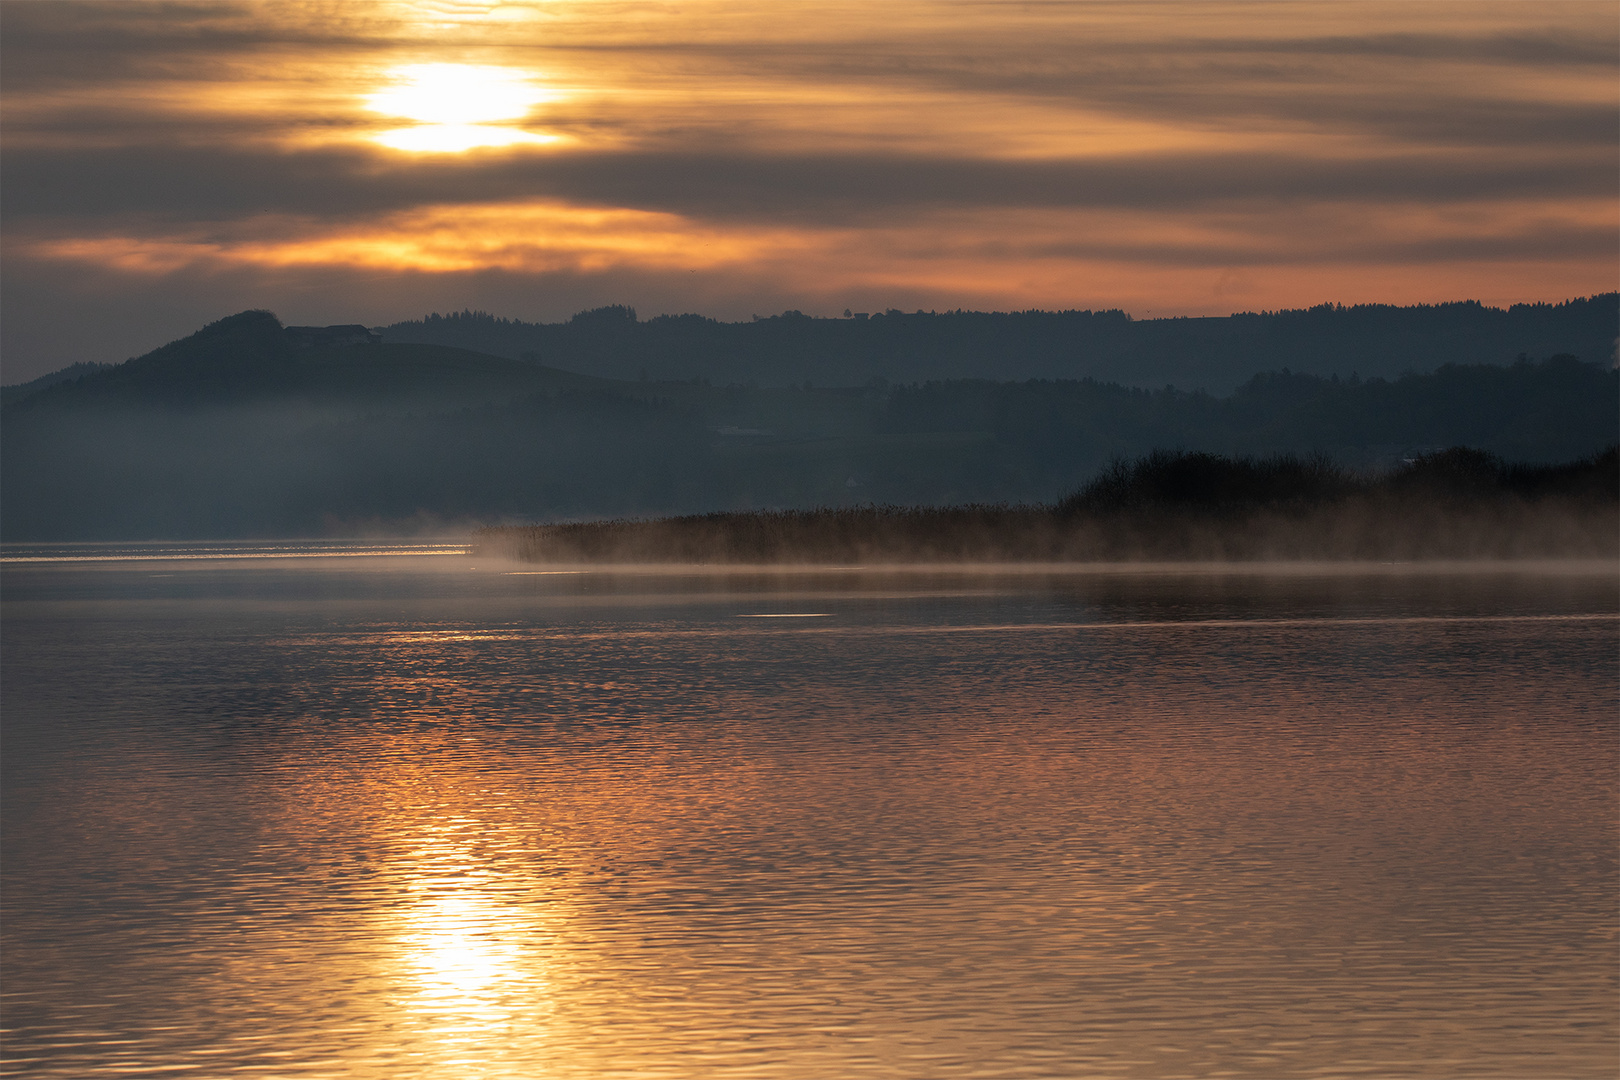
(349,810)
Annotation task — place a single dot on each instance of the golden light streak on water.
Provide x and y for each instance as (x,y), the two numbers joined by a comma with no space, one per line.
(304,820)
(468,955)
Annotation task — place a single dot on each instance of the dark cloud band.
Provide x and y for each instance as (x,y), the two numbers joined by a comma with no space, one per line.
(828,189)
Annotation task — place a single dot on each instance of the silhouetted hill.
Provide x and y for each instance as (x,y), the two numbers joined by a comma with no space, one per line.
(1553,410)
(251,359)
(248,429)
(14,393)
(1217,354)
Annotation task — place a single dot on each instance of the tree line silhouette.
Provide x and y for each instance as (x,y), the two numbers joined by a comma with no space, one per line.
(1217,353)
(1454,504)
(239,430)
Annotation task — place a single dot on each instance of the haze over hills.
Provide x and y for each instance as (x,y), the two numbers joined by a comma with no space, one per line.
(250,429)
(252,358)
(1215,354)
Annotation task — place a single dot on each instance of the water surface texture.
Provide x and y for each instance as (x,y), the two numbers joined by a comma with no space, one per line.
(340,810)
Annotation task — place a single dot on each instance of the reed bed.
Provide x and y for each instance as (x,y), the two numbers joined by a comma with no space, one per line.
(1456,504)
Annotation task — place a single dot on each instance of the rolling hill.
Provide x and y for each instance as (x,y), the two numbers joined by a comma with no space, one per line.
(251,429)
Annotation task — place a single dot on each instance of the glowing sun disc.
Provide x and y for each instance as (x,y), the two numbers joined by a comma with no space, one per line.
(456,94)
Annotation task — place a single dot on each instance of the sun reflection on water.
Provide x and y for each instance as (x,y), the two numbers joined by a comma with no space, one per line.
(453,942)
(468,943)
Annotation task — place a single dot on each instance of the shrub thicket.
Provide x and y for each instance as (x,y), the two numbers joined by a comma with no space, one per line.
(1455,504)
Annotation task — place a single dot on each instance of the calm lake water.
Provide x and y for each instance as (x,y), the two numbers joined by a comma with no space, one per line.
(405,814)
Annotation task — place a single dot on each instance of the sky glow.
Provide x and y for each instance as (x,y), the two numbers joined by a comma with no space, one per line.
(168,165)
(457,107)
(455,94)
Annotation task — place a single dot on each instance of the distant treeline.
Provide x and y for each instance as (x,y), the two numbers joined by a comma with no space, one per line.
(1555,409)
(246,430)
(1455,504)
(71,373)
(1216,354)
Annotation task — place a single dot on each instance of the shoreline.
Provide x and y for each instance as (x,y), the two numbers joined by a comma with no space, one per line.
(1537,567)
(1550,531)
(1457,505)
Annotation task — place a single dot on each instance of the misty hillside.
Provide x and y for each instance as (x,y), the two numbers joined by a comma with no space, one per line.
(252,358)
(1215,354)
(71,373)
(250,429)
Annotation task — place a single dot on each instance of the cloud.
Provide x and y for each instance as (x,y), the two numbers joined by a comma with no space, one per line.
(713,157)
(210,184)
(90,311)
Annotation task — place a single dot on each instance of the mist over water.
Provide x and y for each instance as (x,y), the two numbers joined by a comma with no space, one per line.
(371,811)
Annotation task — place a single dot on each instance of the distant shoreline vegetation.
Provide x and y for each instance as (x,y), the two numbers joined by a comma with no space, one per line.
(1167,506)
(250,429)
(1217,353)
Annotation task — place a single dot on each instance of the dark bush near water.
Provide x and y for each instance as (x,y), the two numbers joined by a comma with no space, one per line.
(1455,504)
(1211,483)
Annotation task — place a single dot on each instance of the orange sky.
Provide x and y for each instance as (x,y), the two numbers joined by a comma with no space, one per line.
(165,165)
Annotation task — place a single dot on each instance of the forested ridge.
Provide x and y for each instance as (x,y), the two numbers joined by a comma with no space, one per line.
(244,429)
(1216,354)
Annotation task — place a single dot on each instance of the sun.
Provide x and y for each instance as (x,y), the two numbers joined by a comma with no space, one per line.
(457,107)
(456,94)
